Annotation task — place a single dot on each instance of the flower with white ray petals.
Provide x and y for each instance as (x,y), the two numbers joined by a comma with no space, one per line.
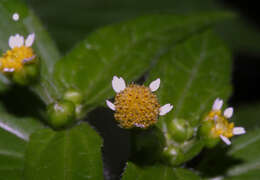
(20,54)
(155,85)
(136,105)
(221,127)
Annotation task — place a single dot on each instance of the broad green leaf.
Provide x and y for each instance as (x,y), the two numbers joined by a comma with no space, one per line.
(155,172)
(247,116)
(73,154)
(14,132)
(11,156)
(245,149)
(44,47)
(193,74)
(126,50)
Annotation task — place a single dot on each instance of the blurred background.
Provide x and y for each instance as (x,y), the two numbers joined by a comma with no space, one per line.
(69,21)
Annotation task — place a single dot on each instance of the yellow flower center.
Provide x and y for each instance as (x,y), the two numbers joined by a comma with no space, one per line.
(16,58)
(221,125)
(136,106)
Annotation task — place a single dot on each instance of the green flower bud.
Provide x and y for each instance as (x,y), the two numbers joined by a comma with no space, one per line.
(173,155)
(28,74)
(61,114)
(148,145)
(73,96)
(180,130)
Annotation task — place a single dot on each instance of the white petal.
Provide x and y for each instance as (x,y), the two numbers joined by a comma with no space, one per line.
(217,104)
(139,125)
(19,40)
(155,85)
(228,112)
(15,16)
(8,69)
(111,105)
(239,130)
(12,42)
(118,84)
(165,109)
(29,40)
(225,139)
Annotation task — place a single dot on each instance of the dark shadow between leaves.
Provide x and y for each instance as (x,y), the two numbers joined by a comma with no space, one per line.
(21,102)
(116,147)
(213,162)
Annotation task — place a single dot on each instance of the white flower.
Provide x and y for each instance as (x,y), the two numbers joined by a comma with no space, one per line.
(16,16)
(18,41)
(222,124)
(136,105)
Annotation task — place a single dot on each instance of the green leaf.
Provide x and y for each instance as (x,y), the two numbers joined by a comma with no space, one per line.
(127,50)
(44,47)
(245,149)
(193,74)
(71,154)
(11,156)
(161,172)
(14,132)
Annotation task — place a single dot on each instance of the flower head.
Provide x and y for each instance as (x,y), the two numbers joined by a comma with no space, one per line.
(222,128)
(136,105)
(19,54)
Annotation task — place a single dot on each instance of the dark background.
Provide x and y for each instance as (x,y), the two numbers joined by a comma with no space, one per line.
(68,21)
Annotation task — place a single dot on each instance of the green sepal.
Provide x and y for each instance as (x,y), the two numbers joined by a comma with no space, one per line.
(205,133)
(27,75)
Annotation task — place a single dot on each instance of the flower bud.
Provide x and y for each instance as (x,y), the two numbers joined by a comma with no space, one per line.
(73,96)
(180,130)
(172,155)
(61,114)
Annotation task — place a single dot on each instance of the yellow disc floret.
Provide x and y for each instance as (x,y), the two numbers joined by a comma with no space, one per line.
(136,106)
(16,58)
(221,124)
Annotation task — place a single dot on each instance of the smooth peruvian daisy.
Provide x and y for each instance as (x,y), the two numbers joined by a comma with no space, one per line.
(19,54)
(222,128)
(136,105)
